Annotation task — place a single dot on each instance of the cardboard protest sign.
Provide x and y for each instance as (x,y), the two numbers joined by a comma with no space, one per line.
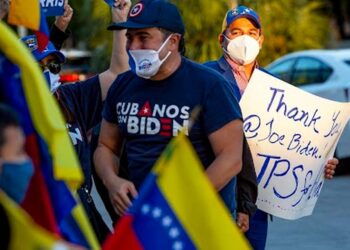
(52,7)
(291,134)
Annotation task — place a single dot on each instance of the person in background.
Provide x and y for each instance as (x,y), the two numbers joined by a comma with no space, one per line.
(81,102)
(241,40)
(16,168)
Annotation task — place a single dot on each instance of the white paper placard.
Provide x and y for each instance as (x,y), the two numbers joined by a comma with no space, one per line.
(291,134)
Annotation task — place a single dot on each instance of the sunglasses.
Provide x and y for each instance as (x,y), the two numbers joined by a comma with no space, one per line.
(53,67)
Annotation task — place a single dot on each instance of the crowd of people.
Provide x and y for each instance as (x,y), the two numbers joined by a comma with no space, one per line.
(141,101)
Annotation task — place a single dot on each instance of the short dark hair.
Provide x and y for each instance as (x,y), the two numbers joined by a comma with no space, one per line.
(8,118)
(182,48)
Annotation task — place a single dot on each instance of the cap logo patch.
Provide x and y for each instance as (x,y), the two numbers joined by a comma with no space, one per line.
(32,44)
(136,10)
(234,12)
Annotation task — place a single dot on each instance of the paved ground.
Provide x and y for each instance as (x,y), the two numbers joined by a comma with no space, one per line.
(328,227)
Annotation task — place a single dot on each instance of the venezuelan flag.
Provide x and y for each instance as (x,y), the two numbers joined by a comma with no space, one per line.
(12,94)
(29,14)
(177,208)
(49,200)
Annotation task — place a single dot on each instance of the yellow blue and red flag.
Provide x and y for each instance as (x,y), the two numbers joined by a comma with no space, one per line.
(23,232)
(49,200)
(29,13)
(177,208)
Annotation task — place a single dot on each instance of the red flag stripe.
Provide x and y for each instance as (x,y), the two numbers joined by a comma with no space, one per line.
(41,210)
(43,40)
(124,237)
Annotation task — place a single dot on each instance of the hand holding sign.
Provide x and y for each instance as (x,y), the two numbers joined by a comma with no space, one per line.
(63,21)
(330,168)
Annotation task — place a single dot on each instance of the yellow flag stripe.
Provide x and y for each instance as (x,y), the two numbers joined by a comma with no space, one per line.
(25,12)
(45,113)
(84,225)
(23,230)
(193,199)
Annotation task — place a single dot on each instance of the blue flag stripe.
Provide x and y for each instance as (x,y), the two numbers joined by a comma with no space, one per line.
(12,92)
(155,224)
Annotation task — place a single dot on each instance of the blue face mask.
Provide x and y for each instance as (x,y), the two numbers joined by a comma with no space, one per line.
(15,179)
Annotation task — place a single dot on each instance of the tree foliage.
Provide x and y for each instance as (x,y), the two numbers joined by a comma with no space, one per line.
(288,25)
(89,28)
(341,12)
(292,25)
(203,20)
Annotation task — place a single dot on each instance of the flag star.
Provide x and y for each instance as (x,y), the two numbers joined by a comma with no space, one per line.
(145,209)
(145,110)
(166,221)
(174,232)
(178,245)
(157,212)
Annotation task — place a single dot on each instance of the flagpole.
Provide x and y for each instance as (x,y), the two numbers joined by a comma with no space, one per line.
(194,116)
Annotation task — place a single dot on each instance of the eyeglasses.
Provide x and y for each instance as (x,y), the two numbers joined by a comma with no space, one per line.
(53,67)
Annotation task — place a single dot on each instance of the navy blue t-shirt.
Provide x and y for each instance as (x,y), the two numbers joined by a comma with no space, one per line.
(83,99)
(149,113)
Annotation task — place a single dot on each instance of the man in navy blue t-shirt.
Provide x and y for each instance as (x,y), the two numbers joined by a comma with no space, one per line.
(148,105)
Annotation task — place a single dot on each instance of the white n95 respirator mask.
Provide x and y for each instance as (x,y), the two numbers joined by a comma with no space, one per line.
(243,49)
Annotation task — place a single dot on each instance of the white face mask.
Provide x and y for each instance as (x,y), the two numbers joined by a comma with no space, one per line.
(243,49)
(147,61)
(53,80)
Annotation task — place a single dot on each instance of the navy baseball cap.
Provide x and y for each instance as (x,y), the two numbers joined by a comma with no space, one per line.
(31,42)
(152,13)
(241,12)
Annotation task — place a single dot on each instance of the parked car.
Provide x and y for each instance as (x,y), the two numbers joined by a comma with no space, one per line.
(77,65)
(325,73)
